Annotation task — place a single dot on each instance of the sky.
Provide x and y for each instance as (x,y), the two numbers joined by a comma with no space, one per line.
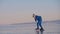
(19,11)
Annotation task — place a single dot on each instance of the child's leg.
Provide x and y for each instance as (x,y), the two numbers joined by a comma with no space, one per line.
(37,25)
(40,25)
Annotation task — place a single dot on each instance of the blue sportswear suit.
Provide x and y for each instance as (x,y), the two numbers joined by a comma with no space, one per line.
(39,21)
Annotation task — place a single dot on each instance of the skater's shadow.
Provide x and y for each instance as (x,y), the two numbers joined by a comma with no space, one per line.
(39,32)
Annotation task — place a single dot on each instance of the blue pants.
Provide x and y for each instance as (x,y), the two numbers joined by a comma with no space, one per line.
(39,24)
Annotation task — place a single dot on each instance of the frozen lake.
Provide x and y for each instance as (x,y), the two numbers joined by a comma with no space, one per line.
(52,27)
